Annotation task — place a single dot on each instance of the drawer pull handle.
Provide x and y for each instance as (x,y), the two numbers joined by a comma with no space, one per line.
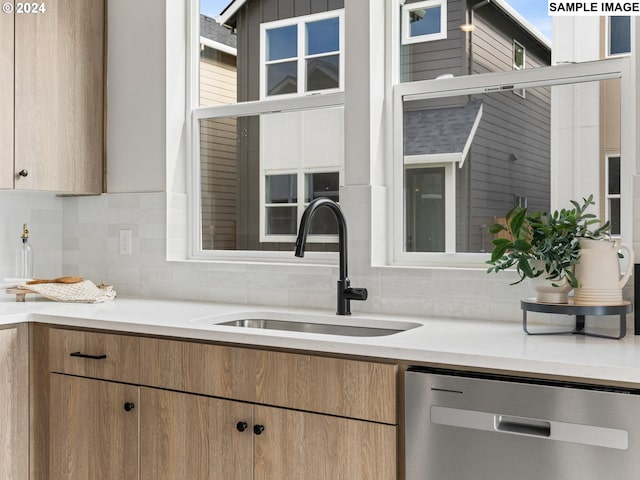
(128,406)
(85,355)
(258,429)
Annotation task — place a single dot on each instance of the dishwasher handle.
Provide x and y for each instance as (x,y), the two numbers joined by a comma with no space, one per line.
(521,425)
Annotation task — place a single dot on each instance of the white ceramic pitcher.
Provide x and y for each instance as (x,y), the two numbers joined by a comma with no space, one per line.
(598,272)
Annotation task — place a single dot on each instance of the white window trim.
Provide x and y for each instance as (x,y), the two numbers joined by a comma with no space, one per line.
(473,84)
(300,205)
(607,39)
(301,55)
(610,196)
(406,24)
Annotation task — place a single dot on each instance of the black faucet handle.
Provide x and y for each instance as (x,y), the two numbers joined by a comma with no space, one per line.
(352,293)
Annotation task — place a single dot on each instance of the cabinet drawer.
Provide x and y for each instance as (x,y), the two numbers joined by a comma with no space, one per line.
(349,388)
(95,355)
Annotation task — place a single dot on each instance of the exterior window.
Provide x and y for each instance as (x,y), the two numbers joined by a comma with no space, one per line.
(424,21)
(282,208)
(281,201)
(519,59)
(262,151)
(618,36)
(464,149)
(612,193)
(302,55)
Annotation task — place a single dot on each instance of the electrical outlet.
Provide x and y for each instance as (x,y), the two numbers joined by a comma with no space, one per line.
(125,242)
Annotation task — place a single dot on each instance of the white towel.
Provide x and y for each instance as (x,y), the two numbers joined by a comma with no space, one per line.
(82,292)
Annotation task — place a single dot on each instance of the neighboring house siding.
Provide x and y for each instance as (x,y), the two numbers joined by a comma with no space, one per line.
(248,20)
(219,176)
(428,60)
(511,125)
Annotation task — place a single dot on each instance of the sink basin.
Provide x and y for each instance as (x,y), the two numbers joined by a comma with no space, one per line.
(325,325)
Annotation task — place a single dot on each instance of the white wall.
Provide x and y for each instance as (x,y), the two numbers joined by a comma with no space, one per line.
(136,88)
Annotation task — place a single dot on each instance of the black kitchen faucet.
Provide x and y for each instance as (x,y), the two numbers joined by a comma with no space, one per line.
(345,292)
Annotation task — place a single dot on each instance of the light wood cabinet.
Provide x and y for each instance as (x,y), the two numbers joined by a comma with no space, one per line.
(187,436)
(297,445)
(94,354)
(215,411)
(52,97)
(191,436)
(6,99)
(335,386)
(93,429)
(14,403)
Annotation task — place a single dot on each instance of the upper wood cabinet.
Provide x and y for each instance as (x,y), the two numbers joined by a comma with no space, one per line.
(52,115)
(6,100)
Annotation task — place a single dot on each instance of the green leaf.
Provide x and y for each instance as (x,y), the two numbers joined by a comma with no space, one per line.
(515,224)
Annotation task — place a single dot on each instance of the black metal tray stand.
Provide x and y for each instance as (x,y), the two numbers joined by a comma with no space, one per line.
(580,311)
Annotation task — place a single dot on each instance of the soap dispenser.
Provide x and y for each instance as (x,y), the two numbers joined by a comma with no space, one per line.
(24,256)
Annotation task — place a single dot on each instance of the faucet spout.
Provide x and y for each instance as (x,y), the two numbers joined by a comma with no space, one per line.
(345,292)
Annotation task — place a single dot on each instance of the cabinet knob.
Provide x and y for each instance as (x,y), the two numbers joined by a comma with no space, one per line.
(258,429)
(128,406)
(24,172)
(241,426)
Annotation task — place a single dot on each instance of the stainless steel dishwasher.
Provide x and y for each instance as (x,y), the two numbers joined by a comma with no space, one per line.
(484,427)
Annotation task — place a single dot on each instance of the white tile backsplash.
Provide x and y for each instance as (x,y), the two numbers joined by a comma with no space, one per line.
(44,214)
(79,236)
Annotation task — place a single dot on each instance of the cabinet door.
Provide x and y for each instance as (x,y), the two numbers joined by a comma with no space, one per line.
(6,99)
(184,436)
(296,445)
(14,403)
(92,434)
(59,69)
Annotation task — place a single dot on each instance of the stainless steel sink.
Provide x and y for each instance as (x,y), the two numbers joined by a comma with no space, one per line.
(322,328)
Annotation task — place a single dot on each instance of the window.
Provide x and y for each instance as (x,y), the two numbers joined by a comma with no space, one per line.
(264,151)
(618,35)
(518,56)
(302,55)
(466,150)
(519,59)
(283,205)
(424,21)
(612,193)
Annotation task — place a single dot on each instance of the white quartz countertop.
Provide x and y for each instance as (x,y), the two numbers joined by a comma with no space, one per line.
(442,341)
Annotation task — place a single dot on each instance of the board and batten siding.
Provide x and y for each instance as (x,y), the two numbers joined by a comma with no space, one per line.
(428,60)
(218,152)
(248,20)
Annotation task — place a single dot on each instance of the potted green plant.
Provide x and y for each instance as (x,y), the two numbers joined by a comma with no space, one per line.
(544,246)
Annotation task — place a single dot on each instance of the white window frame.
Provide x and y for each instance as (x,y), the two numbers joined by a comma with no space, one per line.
(300,205)
(301,57)
(607,195)
(607,39)
(407,8)
(473,84)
